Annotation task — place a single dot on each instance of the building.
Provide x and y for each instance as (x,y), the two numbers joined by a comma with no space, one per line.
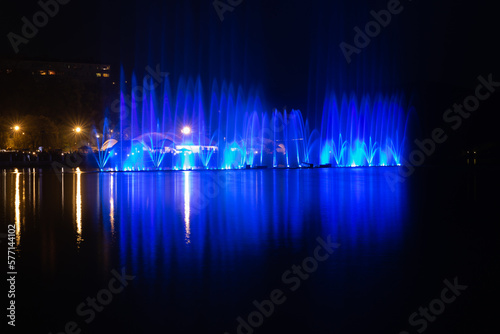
(41,69)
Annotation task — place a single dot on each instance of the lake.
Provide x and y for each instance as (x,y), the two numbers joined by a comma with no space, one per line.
(335,250)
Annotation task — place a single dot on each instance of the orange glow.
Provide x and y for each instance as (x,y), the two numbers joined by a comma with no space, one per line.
(17,205)
(78,202)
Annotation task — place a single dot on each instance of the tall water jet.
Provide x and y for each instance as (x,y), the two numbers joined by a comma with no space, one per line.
(188,128)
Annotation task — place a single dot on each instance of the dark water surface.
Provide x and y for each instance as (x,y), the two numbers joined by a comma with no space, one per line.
(203,246)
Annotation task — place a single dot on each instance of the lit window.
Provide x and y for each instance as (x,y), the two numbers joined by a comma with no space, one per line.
(106,68)
(106,75)
(98,74)
(43,73)
(52,73)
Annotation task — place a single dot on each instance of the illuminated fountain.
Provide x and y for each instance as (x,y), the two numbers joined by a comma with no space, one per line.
(227,129)
(103,147)
(363,133)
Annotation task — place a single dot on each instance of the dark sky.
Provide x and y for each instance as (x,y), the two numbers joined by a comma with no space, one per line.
(290,48)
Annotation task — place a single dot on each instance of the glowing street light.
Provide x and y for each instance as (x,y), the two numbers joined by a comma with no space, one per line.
(17,128)
(78,129)
(186,130)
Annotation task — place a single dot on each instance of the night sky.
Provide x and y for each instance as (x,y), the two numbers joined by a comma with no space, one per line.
(431,52)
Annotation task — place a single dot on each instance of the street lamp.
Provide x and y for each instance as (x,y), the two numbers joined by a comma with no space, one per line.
(16,134)
(77,132)
(186,130)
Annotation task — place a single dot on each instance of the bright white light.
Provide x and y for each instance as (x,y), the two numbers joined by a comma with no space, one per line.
(17,128)
(186,130)
(78,129)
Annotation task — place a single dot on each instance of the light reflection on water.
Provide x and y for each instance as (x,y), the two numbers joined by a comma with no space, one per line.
(112,203)
(233,207)
(78,207)
(17,204)
(197,236)
(187,206)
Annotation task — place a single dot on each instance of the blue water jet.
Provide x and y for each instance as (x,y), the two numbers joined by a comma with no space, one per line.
(228,129)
